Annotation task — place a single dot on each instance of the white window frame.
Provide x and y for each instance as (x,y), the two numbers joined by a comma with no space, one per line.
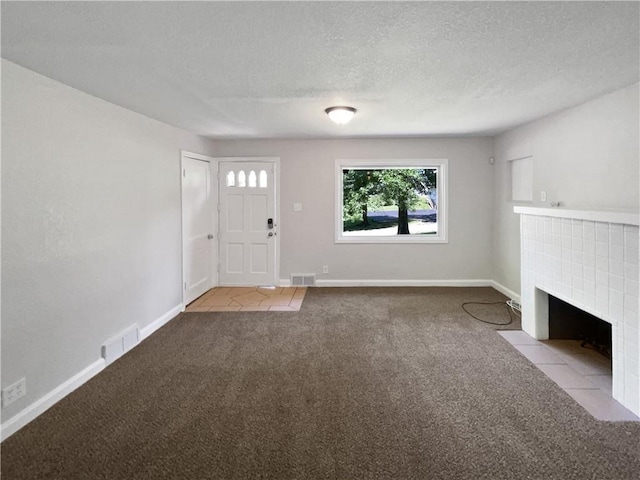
(442,178)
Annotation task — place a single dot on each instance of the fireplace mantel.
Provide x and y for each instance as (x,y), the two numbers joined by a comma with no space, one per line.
(608,216)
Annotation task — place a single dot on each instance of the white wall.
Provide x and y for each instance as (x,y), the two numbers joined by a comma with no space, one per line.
(91,237)
(307,237)
(584,157)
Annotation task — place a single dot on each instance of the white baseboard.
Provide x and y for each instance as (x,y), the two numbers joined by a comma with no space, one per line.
(285,282)
(505,291)
(160,322)
(38,407)
(421,283)
(404,283)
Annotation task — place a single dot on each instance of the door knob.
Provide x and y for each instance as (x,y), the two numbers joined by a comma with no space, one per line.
(210,236)
(271,234)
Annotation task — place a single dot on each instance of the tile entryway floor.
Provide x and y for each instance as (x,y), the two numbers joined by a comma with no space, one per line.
(581,372)
(249,299)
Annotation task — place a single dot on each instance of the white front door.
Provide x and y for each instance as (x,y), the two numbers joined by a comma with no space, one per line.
(197,228)
(247,223)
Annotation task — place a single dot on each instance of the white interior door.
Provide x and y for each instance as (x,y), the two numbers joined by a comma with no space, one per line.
(247,223)
(197,228)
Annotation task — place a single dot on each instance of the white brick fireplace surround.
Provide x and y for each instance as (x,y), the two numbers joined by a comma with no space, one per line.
(590,260)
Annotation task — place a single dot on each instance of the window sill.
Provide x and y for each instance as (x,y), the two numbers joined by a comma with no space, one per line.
(402,239)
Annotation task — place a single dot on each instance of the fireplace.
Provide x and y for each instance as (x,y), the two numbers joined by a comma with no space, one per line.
(567,322)
(588,260)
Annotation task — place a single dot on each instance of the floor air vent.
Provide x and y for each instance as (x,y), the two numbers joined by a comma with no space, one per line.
(300,280)
(121,344)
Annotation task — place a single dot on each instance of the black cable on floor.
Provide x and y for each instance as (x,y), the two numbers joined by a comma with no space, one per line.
(489,303)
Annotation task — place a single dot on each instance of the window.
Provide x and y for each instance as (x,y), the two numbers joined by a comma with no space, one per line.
(242,179)
(231,179)
(252,179)
(391,201)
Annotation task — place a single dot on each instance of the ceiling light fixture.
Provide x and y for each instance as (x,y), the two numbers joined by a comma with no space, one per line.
(341,115)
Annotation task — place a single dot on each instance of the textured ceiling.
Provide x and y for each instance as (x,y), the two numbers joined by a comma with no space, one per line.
(269,69)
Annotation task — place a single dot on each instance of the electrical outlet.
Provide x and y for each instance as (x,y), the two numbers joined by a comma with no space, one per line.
(515,305)
(325,269)
(543,196)
(14,392)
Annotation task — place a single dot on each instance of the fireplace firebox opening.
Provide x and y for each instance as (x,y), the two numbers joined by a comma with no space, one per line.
(571,323)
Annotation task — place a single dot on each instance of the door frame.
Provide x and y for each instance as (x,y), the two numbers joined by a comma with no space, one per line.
(213,199)
(275,161)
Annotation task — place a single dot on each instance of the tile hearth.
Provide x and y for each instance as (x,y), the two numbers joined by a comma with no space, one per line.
(581,372)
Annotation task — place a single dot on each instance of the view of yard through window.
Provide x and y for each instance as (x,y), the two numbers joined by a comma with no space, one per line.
(389,201)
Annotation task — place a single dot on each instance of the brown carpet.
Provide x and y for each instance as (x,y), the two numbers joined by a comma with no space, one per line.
(360,384)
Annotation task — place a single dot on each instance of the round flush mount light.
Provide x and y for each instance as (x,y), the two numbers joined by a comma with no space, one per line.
(341,115)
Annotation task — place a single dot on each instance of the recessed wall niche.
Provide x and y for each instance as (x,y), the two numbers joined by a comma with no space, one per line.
(521,171)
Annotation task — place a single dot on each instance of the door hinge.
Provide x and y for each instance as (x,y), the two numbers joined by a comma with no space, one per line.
(184,173)
(185,285)
(218,268)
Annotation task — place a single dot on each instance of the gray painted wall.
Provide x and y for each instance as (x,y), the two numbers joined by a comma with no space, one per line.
(307,237)
(91,238)
(585,157)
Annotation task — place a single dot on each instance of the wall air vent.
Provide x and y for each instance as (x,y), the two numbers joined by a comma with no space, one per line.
(117,346)
(303,280)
